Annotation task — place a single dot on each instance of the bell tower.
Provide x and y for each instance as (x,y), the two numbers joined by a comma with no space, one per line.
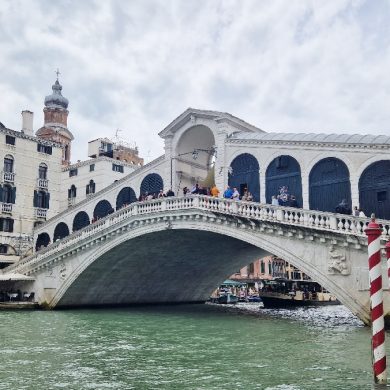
(55,127)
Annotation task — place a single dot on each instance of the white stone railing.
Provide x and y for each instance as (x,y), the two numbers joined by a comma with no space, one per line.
(6,207)
(42,183)
(315,220)
(9,177)
(40,213)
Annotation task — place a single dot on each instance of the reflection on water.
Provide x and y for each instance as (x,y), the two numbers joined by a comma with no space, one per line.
(185,347)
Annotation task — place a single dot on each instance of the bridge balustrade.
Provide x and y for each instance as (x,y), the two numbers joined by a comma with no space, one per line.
(317,220)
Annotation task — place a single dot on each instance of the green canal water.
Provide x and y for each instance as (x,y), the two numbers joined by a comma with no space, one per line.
(185,347)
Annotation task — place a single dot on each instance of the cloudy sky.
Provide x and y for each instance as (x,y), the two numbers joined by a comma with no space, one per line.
(284,66)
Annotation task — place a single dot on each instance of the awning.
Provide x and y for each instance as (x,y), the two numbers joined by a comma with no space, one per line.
(15,277)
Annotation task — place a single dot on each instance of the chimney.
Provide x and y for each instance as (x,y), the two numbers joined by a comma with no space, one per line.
(27,122)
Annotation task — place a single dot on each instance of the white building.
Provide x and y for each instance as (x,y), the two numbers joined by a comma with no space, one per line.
(38,180)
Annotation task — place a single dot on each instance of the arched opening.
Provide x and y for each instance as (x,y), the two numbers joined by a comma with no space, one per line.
(42,171)
(193,158)
(43,240)
(102,209)
(8,194)
(8,164)
(284,171)
(374,189)
(152,184)
(60,231)
(90,188)
(126,196)
(244,173)
(329,184)
(80,220)
(72,192)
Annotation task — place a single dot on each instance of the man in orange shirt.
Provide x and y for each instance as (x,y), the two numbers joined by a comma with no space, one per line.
(214,191)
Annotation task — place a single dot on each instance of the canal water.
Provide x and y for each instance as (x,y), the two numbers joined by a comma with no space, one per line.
(185,347)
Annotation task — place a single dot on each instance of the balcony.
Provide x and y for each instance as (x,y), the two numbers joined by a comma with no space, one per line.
(43,183)
(9,177)
(6,208)
(40,213)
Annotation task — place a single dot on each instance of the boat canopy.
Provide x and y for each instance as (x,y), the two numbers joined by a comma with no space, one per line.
(229,282)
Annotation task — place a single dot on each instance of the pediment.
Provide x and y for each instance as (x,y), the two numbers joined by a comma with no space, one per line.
(220,117)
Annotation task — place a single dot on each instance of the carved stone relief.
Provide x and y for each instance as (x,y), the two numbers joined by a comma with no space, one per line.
(337,262)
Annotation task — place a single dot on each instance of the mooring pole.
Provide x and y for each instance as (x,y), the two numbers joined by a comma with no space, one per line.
(373,232)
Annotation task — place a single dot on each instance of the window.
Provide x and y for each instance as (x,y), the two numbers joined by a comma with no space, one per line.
(3,249)
(9,140)
(117,168)
(73,172)
(262,267)
(8,194)
(270,268)
(90,189)
(42,172)
(6,225)
(251,268)
(8,164)
(44,149)
(41,199)
(72,192)
(91,167)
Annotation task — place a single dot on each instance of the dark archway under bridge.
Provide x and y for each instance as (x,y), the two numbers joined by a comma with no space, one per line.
(169,266)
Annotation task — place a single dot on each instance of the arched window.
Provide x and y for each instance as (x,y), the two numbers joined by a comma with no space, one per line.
(102,209)
(8,194)
(61,231)
(43,240)
(8,164)
(244,173)
(284,171)
(90,188)
(374,189)
(329,184)
(152,184)
(72,192)
(126,196)
(80,221)
(42,171)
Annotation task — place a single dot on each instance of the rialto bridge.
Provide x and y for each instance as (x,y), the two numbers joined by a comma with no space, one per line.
(129,250)
(179,249)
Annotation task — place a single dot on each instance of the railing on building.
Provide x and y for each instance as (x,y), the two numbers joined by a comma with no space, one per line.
(40,213)
(248,212)
(42,183)
(6,208)
(9,177)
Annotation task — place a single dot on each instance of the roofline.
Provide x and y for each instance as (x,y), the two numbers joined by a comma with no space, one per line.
(23,135)
(208,114)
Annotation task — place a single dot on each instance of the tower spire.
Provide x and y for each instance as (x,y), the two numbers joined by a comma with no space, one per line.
(57,72)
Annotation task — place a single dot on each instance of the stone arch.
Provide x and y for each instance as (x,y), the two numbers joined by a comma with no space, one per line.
(60,231)
(80,220)
(244,173)
(329,183)
(374,189)
(284,170)
(125,196)
(261,245)
(152,184)
(43,240)
(102,209)
(193,157)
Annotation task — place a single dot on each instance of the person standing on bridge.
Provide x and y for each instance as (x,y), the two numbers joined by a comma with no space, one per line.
(228,193)
(236,194)
(214,191)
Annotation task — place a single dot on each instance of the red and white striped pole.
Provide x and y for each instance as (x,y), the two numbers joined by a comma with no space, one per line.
(373,232)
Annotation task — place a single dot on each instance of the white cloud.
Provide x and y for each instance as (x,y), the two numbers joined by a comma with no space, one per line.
(281,65)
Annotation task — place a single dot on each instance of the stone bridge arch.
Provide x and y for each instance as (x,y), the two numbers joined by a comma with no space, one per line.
(150,245)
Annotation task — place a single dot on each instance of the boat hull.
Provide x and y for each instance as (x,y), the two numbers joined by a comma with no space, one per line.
(281,302)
